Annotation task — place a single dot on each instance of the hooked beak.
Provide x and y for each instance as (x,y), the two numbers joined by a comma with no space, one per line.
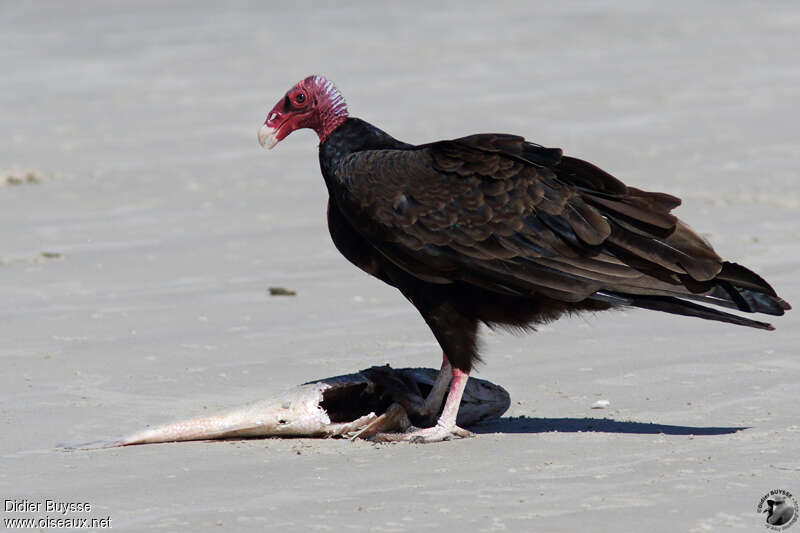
(268,137)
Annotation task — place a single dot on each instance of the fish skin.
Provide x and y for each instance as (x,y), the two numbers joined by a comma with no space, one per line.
(299,411)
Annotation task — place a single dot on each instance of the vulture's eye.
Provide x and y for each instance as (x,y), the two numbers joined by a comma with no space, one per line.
(300,98)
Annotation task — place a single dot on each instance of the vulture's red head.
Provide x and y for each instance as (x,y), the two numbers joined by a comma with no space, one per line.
(314,103)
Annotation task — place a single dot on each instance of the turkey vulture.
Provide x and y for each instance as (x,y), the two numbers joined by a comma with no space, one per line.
(492,228)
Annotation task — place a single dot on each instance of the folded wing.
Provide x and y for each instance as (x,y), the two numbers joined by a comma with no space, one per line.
(511,216)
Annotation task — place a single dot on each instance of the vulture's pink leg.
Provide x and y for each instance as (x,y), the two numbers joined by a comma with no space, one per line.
(434,400)
(445,428)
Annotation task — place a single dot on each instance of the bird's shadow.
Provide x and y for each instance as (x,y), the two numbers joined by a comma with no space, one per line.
(524,424)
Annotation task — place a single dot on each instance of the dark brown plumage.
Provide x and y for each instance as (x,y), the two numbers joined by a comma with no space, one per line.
(492,228)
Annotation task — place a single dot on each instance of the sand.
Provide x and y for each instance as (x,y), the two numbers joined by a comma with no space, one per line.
(135,264)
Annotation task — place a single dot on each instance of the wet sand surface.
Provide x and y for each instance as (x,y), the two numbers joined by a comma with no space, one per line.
(135,262)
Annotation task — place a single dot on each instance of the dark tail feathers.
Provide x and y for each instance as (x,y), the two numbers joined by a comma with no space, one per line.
(749,291)
(736,287)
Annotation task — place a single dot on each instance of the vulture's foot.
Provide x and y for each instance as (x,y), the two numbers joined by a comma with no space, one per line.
(394,418)
(445,428)
(436,433)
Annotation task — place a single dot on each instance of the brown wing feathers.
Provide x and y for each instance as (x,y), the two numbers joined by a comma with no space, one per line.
(499,212)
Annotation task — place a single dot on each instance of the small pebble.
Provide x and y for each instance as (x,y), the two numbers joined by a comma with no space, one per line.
(601,404)
(280,291)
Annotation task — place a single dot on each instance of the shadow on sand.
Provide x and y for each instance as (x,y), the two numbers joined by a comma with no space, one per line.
(523,424)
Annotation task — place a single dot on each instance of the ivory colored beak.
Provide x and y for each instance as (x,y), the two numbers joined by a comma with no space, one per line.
(267,137)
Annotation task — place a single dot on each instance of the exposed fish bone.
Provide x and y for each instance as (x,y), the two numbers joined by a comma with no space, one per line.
(375,400)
